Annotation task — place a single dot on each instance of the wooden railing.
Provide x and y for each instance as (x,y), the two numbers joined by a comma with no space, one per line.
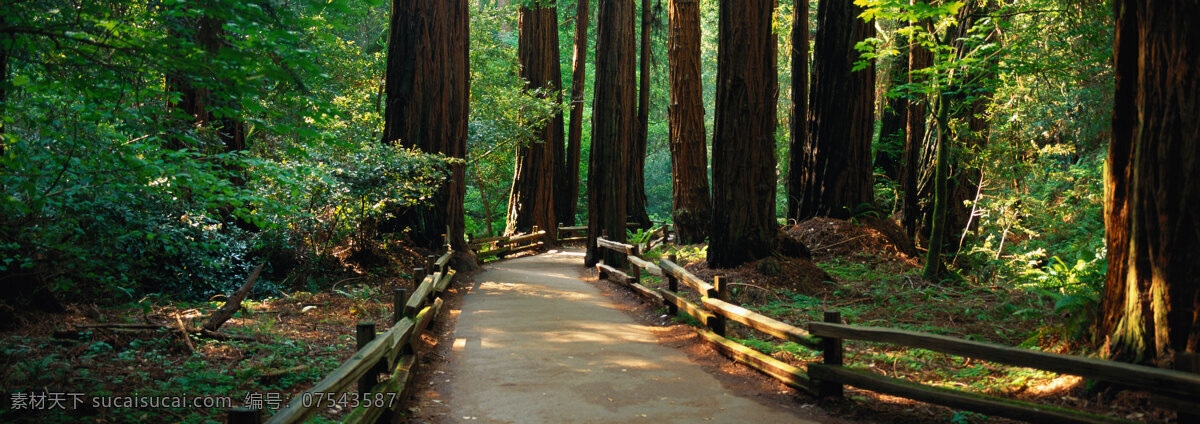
(390,354)
(492,248)
(1171,389)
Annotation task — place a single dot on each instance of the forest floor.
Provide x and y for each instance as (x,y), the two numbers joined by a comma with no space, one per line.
(301,337)
(867,270)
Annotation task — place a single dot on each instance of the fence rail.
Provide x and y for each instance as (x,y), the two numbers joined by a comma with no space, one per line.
(1170,389)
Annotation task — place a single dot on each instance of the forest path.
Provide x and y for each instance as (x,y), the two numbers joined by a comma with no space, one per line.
(535,343)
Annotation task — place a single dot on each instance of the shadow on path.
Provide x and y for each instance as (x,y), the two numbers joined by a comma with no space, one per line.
(535,343)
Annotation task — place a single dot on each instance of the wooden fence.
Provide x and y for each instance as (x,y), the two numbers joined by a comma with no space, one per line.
(493,248)
(390,355)
(1171,389)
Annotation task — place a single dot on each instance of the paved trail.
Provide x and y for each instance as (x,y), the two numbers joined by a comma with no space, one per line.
(535,344)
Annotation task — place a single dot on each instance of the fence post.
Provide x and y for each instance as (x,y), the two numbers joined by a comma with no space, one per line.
(717,322)
(399,298)
(431,264)
(635,271)
(672,286)
(244,415)
(364,333)
(1188,362)
(418,276)
(832,348)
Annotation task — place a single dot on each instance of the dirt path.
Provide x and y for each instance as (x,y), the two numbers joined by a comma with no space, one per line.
(535,343)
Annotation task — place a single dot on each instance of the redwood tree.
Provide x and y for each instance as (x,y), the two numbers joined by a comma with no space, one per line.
(425,88)
(613,126)
(636,206)
(743,225)
(532,199)
(1151,304)
(799,118)
(835,179)
(460,109)
(915,153)
(568,184)
(201,101)
(689,156)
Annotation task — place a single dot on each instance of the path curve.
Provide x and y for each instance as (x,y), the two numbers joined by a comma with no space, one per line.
(535,343)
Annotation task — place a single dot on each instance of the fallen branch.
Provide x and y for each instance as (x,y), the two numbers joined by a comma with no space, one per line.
(215,335)
(233,303)
(183,332)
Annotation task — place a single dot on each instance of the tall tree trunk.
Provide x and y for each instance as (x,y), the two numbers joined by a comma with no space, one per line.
(799,118)
(1151,304)
(636,206)
(941,198)
(532,199)
(964,181)
(893,120)
(914,141)
(569,196)
(613,128)
(199,103)
(743,224)
(460,109)
(689,156)
(836,176)
(5,45)
(418,111)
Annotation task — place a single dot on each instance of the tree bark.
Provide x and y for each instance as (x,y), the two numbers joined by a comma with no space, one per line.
(532,199)
(421,110)
(743,225)
(799,118)
(613,126)
(937,233)
(836,176)
(1151,304)
(964,183)
(460,110)
(199,103)
(914,141)
(569,195)
(636,206)
(892,120)
(689,156)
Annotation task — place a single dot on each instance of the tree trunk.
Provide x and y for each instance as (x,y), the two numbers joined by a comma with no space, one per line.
(613,126)
(743,225)
(460,110)
(689,156)
(199,103)
(972,109)
(892,121)
(799,118)
(532,200)
(419,112)
(1151,304)
(836,176)
(914,141)
(569,195)
(937,232)
(636,206)
(4,47)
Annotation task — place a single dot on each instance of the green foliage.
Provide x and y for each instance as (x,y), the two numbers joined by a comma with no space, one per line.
(93,202)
